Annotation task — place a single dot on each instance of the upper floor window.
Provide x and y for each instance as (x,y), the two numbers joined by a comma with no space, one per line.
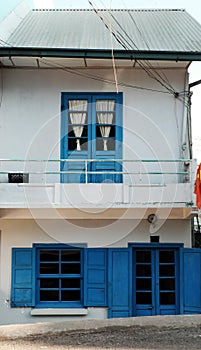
(91,128)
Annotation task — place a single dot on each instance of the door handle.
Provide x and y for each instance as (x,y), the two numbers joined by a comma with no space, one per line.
(150,307)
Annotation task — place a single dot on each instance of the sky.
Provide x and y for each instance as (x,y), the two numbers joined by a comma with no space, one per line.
(191,6)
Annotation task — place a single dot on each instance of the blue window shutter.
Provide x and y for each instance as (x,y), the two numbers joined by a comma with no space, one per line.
(22,277)
(191,281)
(95,277)
(119,283)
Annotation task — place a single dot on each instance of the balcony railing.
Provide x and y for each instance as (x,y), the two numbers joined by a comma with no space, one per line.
(140,171)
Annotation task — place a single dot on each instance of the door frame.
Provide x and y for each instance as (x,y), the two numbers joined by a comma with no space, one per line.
(158,246)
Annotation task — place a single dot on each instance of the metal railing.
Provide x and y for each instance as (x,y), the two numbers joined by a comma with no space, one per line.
(177,167)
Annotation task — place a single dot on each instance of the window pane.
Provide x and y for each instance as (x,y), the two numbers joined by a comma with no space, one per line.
(50,295)
(72,144)
(70,283)
(70,268)
(49,283)
(166,256)
(105,118)
(143,283)
(72,131)
(70,255)
(105,105)
(143,256)
(51,255)
(167,298)
(105,144)
(143,298)
(77,105)
(107,131)
(143,270)
(77,118)
(48,269)
(70,295)
(167,283)
(166,270)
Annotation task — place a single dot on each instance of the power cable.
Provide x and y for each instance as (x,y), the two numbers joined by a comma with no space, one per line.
(98,78)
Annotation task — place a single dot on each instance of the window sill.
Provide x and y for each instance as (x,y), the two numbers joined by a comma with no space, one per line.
(59,312)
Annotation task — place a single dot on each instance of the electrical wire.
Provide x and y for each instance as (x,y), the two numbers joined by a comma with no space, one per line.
(121,39)
(3,42)
(113,60)
(98,78)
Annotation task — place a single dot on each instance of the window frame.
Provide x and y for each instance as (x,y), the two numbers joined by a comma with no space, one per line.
(38,276)
(91,152)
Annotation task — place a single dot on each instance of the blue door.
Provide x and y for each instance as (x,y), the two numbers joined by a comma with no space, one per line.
(91,137)
(155,282)
(191,286)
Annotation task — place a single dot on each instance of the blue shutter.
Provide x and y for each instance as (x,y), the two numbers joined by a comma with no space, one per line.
(95,277)
(192,281)
(22,277)
(119,283)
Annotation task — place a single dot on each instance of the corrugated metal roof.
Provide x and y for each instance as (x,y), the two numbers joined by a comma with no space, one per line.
(149,30)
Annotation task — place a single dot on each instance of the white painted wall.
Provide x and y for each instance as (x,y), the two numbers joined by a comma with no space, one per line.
(30,118)
(97,233)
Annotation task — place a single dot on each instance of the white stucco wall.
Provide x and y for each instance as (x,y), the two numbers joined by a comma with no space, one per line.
(30,117)
(96,233)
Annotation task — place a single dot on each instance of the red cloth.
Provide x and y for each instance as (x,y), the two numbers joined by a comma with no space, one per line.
(197,189)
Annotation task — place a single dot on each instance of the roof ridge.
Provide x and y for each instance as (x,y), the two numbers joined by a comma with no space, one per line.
(91,10)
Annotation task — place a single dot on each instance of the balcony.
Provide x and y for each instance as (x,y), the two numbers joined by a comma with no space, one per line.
(148,185)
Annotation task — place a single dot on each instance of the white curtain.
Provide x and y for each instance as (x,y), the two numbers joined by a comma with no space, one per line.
(78,118)
(105,118)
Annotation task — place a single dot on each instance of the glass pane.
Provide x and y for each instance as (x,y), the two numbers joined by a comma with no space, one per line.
(77,105)
(70,255)
(108,132)
(105,144)
(166,256)
(167,283)
(167,270)
(105,118)
(49,283)
(77,118)
(105,105)
(49,269)
(70,283)
(143,270)
(167,298)
(70,295)
(72,144)
(49,295)
(144,298)
(51,255)
(71,131)
(143,256)
(143,283)
(70,268)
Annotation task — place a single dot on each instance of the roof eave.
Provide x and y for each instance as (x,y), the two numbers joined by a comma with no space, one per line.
(100,54)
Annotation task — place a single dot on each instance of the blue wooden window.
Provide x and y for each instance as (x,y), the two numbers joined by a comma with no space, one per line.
(59,277)
(91,129)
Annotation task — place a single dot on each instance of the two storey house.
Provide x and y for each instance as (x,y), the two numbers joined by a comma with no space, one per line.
(96,165)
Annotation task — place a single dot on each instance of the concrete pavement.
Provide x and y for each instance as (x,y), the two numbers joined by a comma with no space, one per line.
(22,330)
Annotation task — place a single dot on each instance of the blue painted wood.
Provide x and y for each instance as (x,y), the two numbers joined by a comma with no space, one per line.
(91,152)
(95,277)
(119,283)
(191,281)
(23,278)
(154,305)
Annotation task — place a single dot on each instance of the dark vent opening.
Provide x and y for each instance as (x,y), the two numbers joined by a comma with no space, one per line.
(18,177)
